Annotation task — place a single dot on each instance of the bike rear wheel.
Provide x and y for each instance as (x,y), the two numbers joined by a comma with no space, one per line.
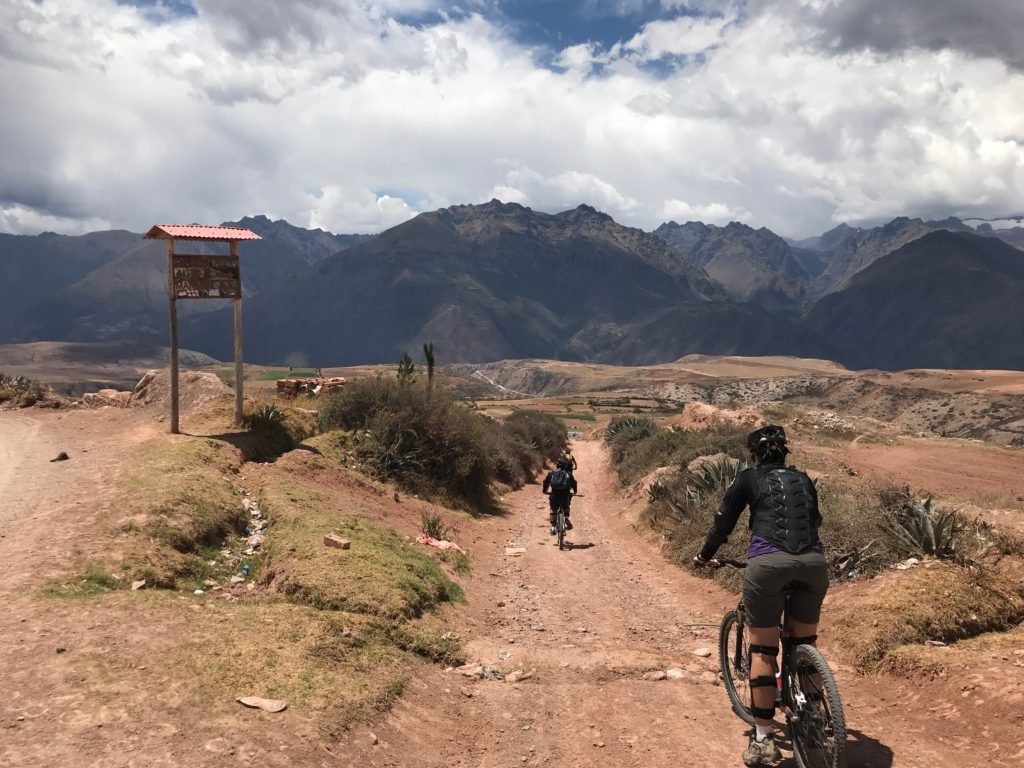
(734,655)
(561,528)
(818,728)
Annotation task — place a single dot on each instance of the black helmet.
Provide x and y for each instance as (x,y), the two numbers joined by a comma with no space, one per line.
(563,463)
(768,439)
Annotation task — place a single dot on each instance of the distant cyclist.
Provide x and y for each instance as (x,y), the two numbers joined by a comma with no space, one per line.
(784,551)
(567,455)
(561,485)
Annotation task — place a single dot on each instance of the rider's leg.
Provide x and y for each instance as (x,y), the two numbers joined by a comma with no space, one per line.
(764,645)
(799,630)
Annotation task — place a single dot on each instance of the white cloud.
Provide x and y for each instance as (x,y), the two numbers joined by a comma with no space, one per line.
(17,219)
(345,210)
(334,114)
(560,192)
(683,36)
(711,213)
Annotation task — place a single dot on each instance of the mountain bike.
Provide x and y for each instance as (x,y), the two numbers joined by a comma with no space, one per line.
(806,689)
(560,527)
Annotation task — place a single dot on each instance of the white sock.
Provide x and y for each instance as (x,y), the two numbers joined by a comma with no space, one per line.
(762,732)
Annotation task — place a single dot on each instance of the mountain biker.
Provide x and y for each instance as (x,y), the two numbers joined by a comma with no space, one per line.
(567,455)
(784,551)
(562,486)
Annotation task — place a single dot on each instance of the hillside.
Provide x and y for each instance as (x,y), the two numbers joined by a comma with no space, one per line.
(113,285)
(946,300)
(498,281)
(37,268)
(754,265)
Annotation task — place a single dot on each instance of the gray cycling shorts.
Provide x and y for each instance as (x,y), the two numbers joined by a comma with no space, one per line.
(765,579)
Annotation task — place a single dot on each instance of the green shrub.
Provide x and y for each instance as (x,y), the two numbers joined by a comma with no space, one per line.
(21,391)
(421,439)
(635,451)
(920,528)
(434,526)
(266,417)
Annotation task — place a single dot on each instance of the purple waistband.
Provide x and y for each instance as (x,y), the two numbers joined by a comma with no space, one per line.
(759,546)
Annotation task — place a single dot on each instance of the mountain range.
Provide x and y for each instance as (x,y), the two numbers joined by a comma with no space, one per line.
(499,281)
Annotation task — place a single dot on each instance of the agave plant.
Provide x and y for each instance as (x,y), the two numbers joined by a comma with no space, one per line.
(709,479)
(714,476)
(15,382)
(267,416)
(925,529)
(638,427)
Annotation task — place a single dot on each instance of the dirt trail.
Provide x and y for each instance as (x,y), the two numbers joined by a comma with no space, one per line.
(47,506)
(588,623)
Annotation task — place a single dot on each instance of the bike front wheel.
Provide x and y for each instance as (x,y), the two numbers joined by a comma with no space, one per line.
(734,655)
(818,724)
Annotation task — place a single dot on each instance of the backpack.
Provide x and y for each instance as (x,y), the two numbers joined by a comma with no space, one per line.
(559,480)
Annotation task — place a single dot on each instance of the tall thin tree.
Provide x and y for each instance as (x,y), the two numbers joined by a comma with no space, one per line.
(428,353)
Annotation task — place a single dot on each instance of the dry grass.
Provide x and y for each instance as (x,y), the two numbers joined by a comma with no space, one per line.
(338,664)
(941,602)
(345,641)
(179,501)
(382,575)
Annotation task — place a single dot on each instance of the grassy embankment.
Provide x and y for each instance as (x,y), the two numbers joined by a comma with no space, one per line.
(328,629)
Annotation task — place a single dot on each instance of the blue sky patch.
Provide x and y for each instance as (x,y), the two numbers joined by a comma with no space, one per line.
(162,8)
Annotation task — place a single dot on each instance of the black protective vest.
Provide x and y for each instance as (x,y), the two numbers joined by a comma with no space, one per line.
(785,509)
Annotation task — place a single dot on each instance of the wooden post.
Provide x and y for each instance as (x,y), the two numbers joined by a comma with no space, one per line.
(174,336)
(239,417)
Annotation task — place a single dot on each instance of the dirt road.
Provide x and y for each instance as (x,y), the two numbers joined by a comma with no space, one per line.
(587,624)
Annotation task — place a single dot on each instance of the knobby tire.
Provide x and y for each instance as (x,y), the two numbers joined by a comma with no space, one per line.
(819,733)
(735,666)
(561,529)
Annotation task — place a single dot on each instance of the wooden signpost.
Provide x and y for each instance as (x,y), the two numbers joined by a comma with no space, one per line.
(203,276)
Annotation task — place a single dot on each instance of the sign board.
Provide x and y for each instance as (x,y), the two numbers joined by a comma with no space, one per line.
(206,277)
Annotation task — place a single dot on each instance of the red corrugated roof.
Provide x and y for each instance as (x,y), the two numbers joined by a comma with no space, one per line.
(199,232)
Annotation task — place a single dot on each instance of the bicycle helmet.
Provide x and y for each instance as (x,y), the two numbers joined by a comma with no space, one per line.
(563,463)
(770,439)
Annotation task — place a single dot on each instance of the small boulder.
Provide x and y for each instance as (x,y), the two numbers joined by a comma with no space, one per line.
(267,705)
(333,540)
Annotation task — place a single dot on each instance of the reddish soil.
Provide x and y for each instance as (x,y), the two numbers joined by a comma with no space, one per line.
(587,623)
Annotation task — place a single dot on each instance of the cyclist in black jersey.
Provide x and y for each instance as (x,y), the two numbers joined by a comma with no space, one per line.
(784,552)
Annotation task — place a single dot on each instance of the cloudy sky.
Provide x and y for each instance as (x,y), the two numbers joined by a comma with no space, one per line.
(354,115)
